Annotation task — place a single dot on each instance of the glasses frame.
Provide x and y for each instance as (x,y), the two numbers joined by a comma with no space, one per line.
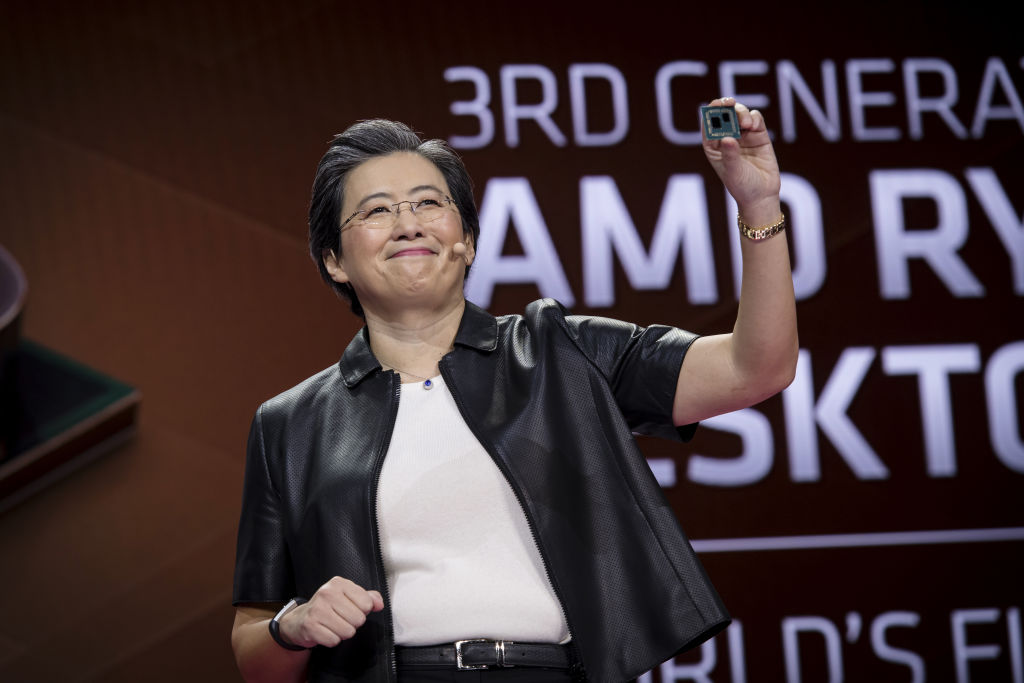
(412,208)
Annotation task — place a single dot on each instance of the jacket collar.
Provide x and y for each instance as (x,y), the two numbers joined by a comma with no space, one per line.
(478,330)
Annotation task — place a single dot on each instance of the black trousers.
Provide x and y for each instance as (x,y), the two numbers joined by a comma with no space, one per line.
(424,674)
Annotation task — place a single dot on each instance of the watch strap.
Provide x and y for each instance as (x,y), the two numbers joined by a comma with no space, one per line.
(275,625)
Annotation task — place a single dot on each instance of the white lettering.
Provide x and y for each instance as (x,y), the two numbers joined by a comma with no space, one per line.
(1013,635)
(791,628)
(895,244)
(699,672)
(932,365)
(942,105)
(826,119)
(995,72)
(801,416)
(663,95)
(964,653)
(607,225)
(540,112)
(664,470)
(998,98)
(508,200)
(1000,374)
(727,73)
(737,665)
(860,100)
(578,73)
(887,652)
(479,107)
(1001,214)
(752,465)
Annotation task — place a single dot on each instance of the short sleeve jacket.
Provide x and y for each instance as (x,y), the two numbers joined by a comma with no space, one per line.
(555,400)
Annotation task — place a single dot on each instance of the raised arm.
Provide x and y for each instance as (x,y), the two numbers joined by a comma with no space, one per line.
(757,359)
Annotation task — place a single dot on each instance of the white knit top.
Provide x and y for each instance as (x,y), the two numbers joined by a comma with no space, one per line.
(460,559)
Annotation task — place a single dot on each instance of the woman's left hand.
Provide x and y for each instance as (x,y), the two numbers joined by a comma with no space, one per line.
(747,165)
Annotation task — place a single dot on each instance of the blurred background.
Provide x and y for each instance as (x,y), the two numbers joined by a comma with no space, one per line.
(155,166)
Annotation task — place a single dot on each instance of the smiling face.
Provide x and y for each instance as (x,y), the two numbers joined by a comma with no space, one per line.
(412,263)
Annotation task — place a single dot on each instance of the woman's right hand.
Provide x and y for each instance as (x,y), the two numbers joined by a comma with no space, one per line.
(332,615)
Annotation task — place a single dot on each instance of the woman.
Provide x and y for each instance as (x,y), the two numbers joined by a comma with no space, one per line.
(458,477)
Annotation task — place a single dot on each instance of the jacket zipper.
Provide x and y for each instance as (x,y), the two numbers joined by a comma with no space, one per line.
(577,659)
(396,389)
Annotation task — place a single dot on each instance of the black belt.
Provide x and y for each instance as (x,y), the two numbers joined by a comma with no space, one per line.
(484,654)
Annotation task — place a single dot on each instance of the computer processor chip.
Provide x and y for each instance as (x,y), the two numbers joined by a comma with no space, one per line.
(720,122)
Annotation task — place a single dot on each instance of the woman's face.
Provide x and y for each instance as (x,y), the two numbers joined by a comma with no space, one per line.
(412,263)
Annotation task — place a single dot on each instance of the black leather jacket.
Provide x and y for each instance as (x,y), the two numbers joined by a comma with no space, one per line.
(553,399)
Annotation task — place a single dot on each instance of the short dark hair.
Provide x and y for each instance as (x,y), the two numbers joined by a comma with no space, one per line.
(360,143)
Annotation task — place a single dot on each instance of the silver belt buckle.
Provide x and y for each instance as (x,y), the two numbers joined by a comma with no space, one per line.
(458,654)
(499,653)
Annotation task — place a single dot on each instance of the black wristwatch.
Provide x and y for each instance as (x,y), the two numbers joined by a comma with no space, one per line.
(275,625)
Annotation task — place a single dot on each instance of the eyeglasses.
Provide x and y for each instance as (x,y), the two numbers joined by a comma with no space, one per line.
(427,209)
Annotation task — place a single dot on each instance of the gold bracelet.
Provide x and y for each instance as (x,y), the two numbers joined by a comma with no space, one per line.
(762,233)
